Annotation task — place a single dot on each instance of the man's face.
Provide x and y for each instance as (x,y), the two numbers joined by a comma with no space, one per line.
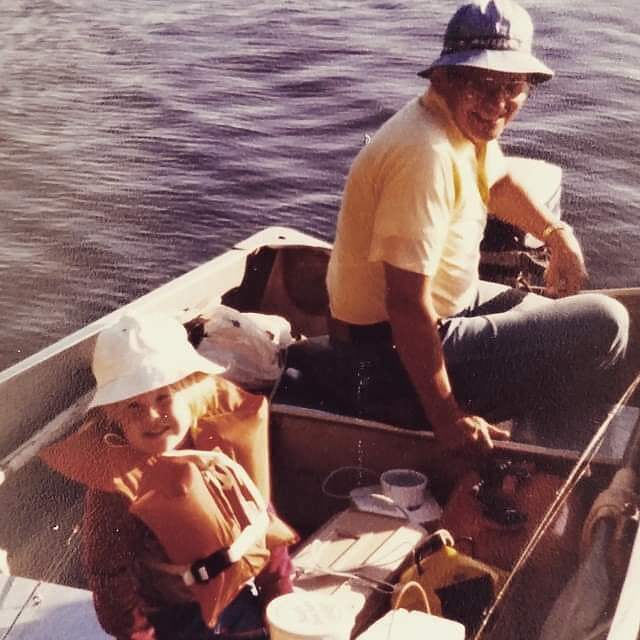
(482,102)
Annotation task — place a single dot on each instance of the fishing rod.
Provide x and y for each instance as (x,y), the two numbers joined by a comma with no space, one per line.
(577,473)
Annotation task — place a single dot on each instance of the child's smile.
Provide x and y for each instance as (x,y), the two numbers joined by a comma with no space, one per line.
(154,422)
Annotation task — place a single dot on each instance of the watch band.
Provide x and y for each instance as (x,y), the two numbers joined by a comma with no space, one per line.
(552,227)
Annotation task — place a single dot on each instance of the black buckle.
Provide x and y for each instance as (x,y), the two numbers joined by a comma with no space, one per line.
(208,568)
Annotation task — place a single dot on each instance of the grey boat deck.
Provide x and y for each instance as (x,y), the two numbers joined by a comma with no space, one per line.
(35,610)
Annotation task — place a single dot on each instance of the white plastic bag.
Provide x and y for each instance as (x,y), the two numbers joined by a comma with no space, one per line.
(249,345)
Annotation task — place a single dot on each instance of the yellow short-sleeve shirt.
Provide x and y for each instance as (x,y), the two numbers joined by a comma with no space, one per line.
(416,198)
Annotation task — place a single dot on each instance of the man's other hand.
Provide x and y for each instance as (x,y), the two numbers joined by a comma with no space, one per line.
(566,273)
(470,429)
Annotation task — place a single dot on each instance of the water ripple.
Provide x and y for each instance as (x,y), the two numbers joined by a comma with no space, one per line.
(140,139)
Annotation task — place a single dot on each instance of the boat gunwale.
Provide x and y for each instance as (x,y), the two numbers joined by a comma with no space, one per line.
(521,449)
(274,237)
(31,390)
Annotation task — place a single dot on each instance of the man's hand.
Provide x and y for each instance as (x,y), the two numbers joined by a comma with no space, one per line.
(469,429)
(566,272)
(512,203)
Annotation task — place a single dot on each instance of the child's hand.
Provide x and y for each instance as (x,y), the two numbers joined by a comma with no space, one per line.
(142,629)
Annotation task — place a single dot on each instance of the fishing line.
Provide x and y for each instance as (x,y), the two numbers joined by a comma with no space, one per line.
(335,472)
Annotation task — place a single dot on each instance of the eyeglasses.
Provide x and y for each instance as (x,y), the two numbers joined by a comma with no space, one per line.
(485,87)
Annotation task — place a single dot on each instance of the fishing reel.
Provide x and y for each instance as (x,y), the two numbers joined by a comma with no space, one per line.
(498,504)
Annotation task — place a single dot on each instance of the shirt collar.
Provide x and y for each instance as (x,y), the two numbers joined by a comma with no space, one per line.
(437,105)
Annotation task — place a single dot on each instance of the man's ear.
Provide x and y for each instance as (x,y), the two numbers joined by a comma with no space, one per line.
(439,78)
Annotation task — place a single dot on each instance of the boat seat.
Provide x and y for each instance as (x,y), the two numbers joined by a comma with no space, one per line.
(290,282)
(310,363)
(296,289)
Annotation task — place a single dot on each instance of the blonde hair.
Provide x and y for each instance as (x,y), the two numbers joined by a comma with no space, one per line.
(199,389)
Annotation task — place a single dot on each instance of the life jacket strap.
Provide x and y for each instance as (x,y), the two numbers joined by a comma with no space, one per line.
(205,569)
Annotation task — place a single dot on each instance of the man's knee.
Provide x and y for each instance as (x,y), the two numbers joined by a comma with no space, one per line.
(609,321)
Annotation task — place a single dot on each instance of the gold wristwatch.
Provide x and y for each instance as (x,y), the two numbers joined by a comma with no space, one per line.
(554,226)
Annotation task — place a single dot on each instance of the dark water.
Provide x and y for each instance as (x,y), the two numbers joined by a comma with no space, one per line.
(139,139)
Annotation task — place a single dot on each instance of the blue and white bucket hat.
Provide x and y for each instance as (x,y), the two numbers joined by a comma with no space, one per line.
(496,35)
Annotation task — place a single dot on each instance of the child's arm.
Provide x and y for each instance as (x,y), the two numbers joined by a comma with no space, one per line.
(275,578)
(110,535)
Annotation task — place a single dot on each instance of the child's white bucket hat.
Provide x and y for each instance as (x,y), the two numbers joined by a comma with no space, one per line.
(140,353)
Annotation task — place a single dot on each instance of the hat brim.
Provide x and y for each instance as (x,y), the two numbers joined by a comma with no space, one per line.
(153,374)
(494,60)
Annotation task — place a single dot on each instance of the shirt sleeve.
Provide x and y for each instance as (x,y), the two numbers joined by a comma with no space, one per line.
(414,207)
(109,555)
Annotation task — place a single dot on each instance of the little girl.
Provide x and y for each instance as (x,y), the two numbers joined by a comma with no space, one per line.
(176,463)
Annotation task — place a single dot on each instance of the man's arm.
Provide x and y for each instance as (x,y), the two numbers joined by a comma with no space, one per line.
(414,323)
(511,203)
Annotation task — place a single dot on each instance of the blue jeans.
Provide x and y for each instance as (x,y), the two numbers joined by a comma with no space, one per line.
(240,619)
(514,354)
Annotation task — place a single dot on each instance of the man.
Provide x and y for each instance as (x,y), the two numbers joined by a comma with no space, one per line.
(403,275)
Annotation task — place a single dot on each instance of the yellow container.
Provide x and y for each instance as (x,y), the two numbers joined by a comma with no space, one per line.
(445,568)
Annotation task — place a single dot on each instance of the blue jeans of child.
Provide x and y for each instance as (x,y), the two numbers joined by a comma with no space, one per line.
(514,354)
(242,619)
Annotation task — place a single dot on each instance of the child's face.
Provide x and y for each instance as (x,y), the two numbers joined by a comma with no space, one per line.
(154,422)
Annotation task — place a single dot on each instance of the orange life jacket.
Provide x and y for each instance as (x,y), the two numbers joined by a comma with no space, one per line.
(192,514)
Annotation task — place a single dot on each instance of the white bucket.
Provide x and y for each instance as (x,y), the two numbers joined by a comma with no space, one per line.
(307,616)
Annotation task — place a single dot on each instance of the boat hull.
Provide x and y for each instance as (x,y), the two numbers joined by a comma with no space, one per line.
(46,395)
